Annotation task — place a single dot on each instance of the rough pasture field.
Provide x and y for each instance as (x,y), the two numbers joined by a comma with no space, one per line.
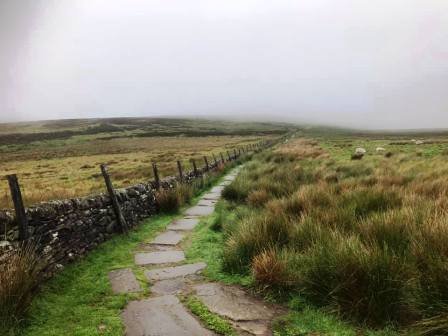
(60,159)
(365,239)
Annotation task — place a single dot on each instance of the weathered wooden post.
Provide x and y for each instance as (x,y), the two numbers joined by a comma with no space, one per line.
(222,158)
(156,175)
(22,221)
(195,169)
(179,167)
(234,153)
(122,225)
(206,163)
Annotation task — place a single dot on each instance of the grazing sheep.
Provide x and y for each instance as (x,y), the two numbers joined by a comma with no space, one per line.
(359,153)
(380,149)
(419,142)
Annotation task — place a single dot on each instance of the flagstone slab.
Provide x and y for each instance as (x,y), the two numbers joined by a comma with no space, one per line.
(175,271)
(246,312)
(147,247)
(169,286)
(184,224)
(199,210)
(207,202)
(168,238)
(124,281)
(217,189)
(159,257)
(161,316)
(212,196)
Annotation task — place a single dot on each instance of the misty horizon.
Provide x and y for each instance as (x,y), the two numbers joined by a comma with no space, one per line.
(351,64)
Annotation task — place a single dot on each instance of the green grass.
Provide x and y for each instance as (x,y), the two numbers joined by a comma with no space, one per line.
(207,245)
(212,321)
(79,300)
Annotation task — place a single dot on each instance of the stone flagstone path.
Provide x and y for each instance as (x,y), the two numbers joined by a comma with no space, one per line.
(163,314)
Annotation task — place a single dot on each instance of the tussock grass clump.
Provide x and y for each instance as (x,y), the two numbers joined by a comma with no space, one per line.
(236,191)
(20,275)
(366,239)
(269,269)
(167,200)
(257,198)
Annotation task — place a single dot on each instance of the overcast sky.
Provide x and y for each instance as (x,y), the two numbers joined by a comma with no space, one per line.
(357,63)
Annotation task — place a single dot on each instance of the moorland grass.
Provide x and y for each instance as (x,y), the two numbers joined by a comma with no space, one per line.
(368,243)
(207,244)
(67,168)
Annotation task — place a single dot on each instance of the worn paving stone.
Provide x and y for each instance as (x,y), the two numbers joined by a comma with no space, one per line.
(207,202)
(159,257)
(147,247)
(248,313)
(175,271)
(169,286)
(124,281)
(168,238)
(212,196)
(199,210)
(160,316)
(217,189)
(184,224)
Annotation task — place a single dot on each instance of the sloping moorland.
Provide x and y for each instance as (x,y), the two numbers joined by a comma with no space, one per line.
(60,159)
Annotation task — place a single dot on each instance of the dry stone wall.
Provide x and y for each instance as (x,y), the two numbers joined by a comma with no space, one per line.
(66,230)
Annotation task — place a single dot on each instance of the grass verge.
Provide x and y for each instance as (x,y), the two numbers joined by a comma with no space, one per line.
(79,301)
(212,321)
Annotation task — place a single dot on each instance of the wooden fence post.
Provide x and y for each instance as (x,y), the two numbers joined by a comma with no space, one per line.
(156,175)
(222,158)
(234,153)
(22,221)
(113,197)
(195,169)
(214,159)
(179,167)
(206,163)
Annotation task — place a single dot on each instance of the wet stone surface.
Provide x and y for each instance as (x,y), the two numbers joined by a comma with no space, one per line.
(169,286)
(207,202)
(217,189)
(168,238)
(212,196)
(160,316)
(159,257)
(184,224)
(124,281)
(200,210)
(175,271)
(247,313)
